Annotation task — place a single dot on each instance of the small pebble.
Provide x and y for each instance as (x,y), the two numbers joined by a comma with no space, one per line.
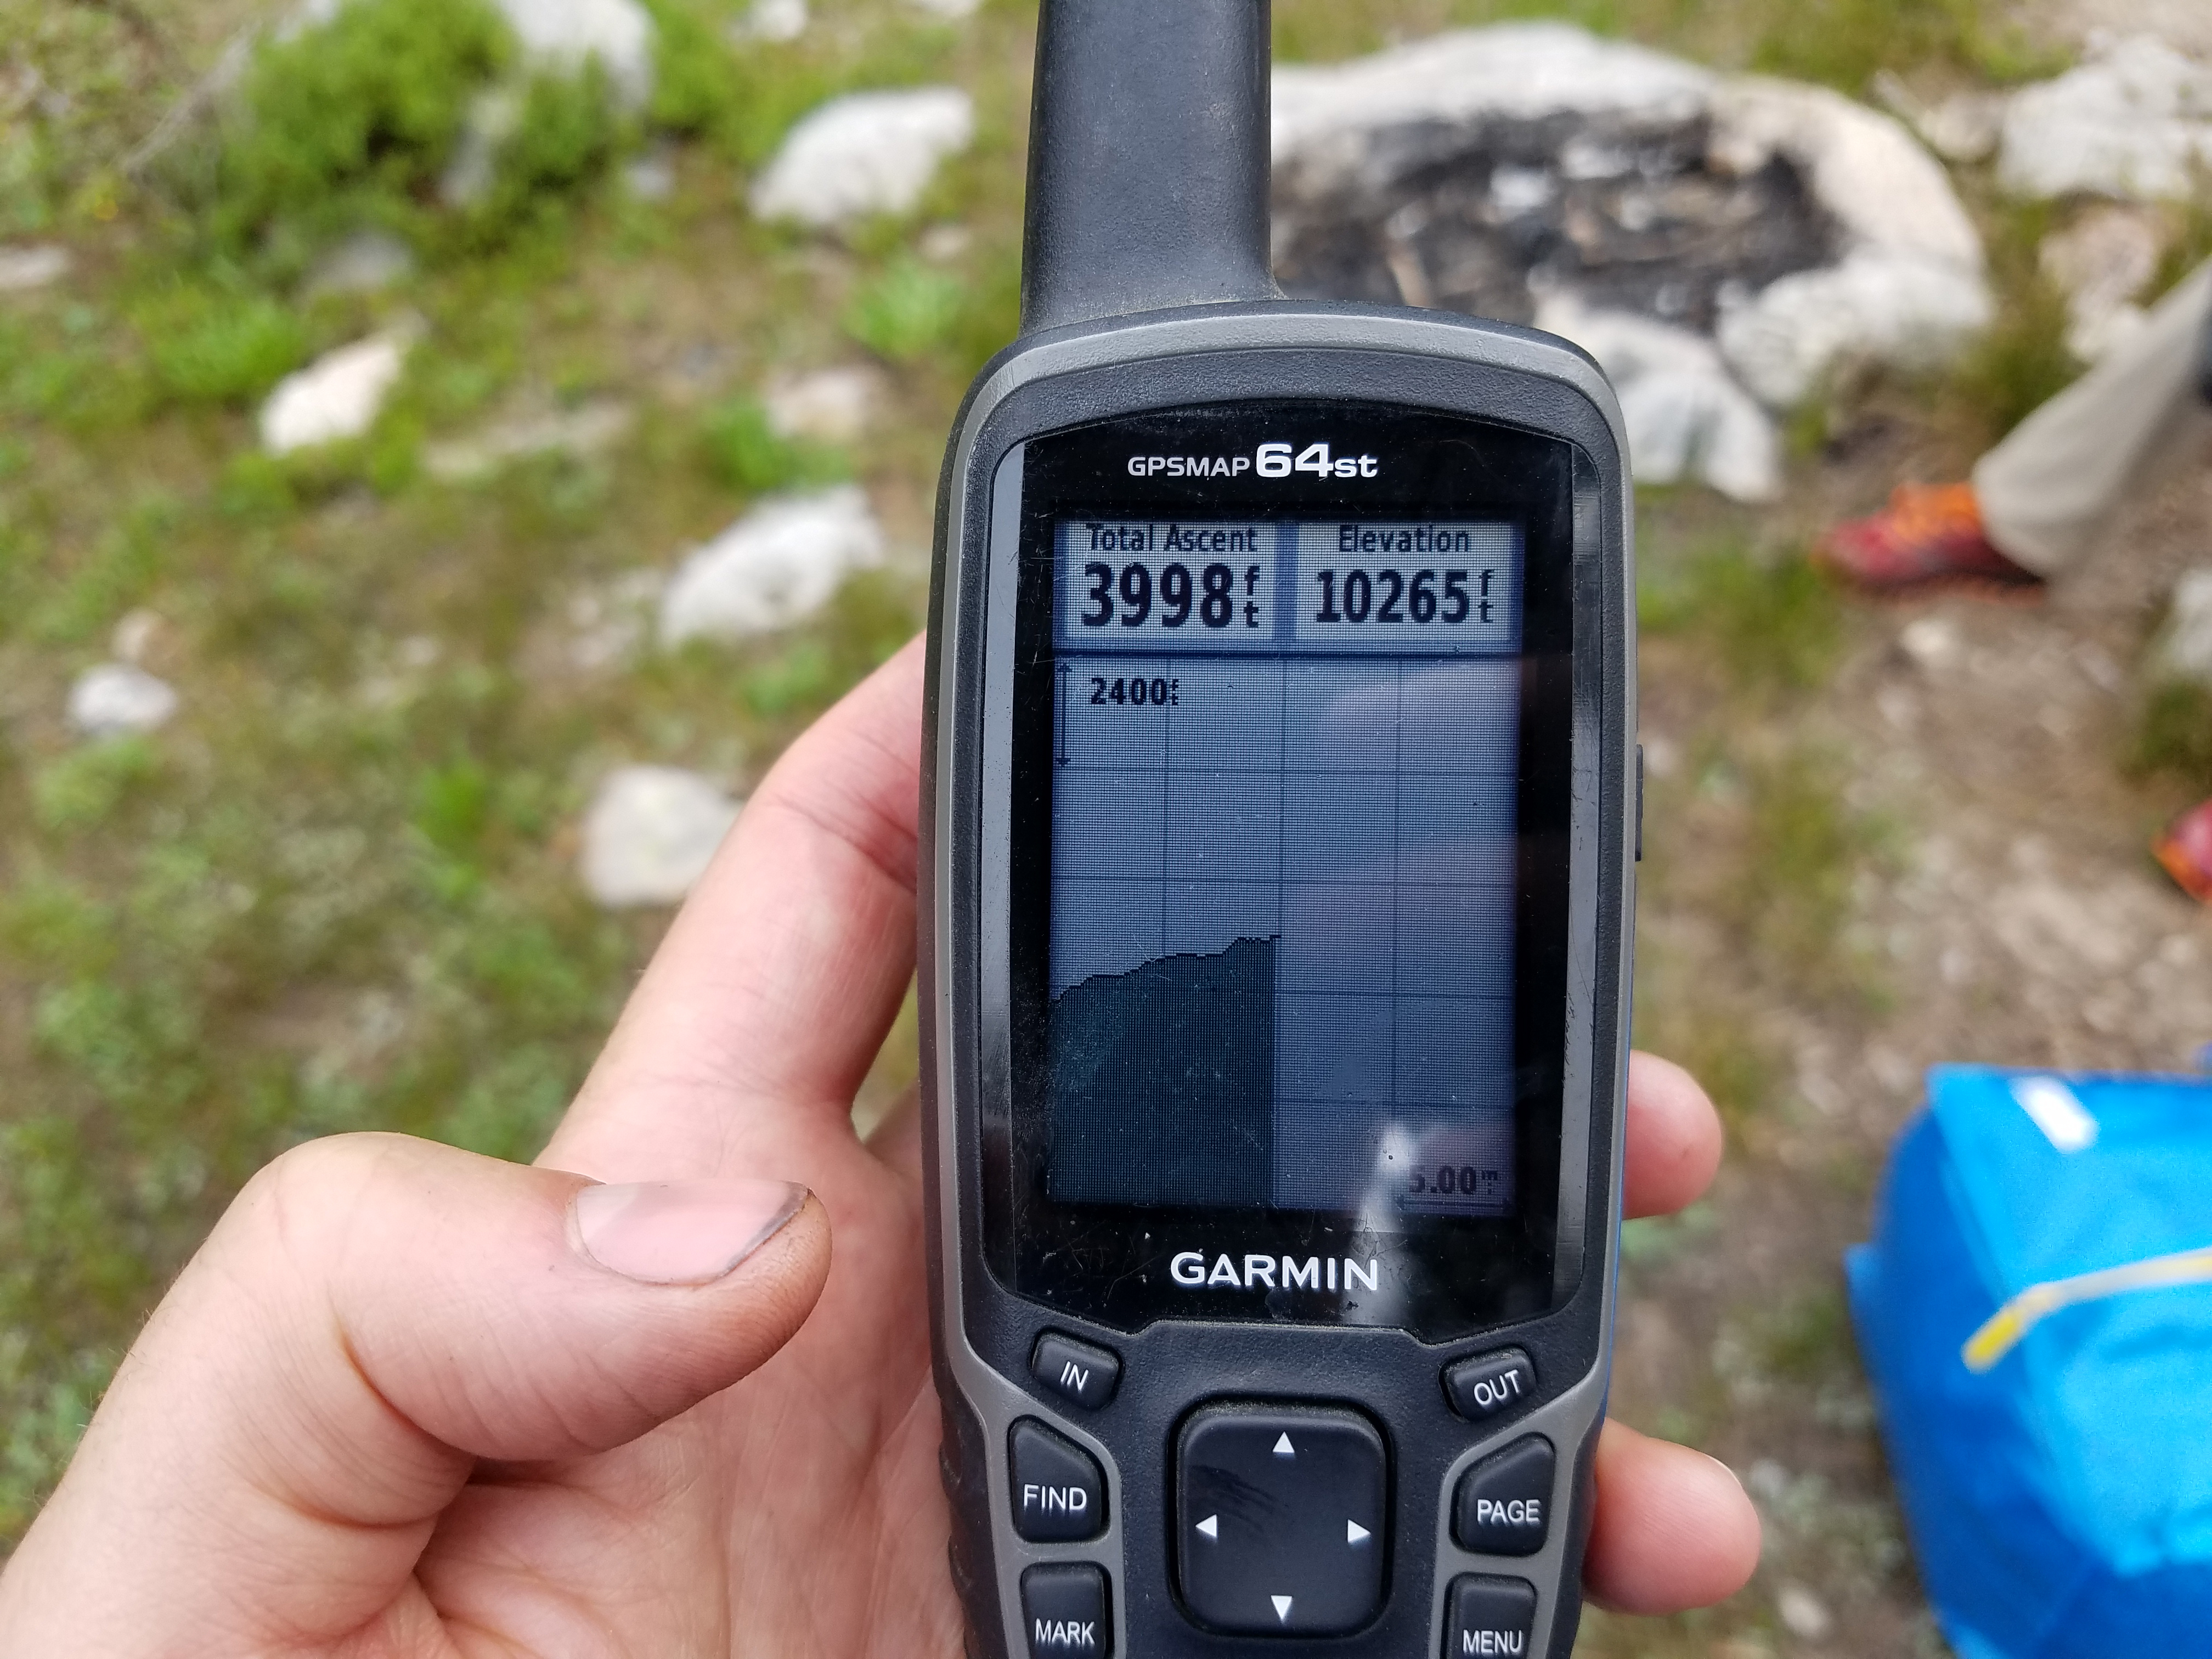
(1804,1615)
(117,698)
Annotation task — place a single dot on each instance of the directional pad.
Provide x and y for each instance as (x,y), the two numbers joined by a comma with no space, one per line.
(1279,1513)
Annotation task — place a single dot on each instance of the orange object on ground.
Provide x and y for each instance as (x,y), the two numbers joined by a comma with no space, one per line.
(2185,850)
(1929,535)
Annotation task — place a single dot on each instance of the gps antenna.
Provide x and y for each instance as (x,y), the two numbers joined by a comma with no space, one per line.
(1148,159)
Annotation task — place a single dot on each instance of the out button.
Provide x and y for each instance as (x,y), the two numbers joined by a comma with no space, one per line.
(1491,1384)
(1505,1503)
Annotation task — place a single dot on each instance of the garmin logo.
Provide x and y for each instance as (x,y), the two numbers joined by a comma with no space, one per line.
(1269,461)
(1273,1272)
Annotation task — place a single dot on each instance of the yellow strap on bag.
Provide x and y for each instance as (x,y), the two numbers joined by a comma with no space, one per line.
(2002,1331)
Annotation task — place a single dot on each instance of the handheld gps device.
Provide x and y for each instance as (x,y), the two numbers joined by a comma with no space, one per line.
(1280,811)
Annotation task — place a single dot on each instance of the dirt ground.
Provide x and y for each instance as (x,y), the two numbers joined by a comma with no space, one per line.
(2005,910)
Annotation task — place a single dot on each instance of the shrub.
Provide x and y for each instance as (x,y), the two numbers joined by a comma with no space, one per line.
(363,110)
(564,132)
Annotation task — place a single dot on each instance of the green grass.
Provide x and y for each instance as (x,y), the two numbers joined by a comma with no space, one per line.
(208,346)
(2172,734)
(2021,361)
(1775,624)
(908,310)
(1841,43)
(746,454)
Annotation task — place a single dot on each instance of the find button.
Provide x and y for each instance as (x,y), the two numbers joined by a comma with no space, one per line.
(1505,1503)
(1059,1491)
(1491,1383)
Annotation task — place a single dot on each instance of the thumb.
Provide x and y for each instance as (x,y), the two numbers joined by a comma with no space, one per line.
(372,1315)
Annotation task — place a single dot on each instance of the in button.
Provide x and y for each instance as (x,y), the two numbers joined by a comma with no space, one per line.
(1079,1373)
(1504,1504)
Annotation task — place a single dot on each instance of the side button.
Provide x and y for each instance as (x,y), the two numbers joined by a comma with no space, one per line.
(1489,1618)
(1490,1383)
(1065,1612)
(1060,1492)
(1079,1373)
(1504,1501)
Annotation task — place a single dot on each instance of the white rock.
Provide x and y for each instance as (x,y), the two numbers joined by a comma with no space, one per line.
(1685,417)
(1524,72)
(25,268)
(1964,127)
(863,154)
(650,177)
(362,264)
(650,833)
(1804,1615)
(581,432)
(944,243)
(1908,286)
(2101,263)
(564,33)
(609,621)
(773,20)
(1932,643)
(1895,308)
(1864,167)
(1967,126)
(116,698)
(831,405)
(338,395)
(2184,648)
(136,634)
(781,562)
(2135,122)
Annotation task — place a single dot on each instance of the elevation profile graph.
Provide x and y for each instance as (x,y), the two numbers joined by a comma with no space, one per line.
(1163,1082)
(1281,954)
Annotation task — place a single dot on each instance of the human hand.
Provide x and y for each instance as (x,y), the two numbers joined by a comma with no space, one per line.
(409,1402)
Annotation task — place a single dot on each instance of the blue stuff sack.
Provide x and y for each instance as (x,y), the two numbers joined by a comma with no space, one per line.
(2035,1311)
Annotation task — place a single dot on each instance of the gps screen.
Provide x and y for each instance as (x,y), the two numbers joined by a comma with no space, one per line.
(1280,960)
(1287,870)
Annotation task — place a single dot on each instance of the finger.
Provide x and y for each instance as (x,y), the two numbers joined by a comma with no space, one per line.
(776,984)
(1673,1138)
(1674,1527)
(372,1315)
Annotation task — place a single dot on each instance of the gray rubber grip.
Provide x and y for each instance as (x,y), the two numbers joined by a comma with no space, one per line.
(1148,159)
